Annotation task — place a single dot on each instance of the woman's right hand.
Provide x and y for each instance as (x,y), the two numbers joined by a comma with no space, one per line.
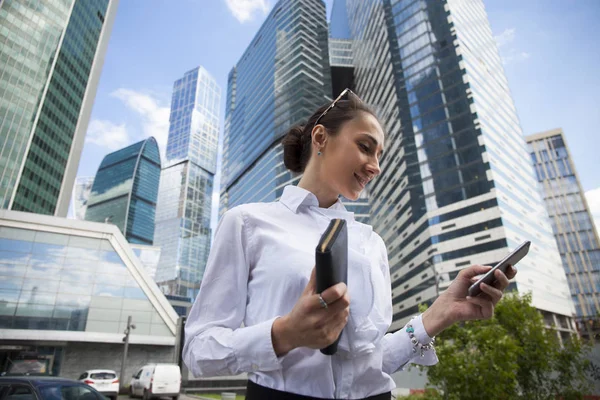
(309,324)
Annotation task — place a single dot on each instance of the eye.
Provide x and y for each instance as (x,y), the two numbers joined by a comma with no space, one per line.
(363,147)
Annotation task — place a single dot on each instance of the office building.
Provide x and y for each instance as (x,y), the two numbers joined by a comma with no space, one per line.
(185,197)
(67,288)
(81,195)
(572,223)
(456,187)
(280,80)
(125,190)
(51,57)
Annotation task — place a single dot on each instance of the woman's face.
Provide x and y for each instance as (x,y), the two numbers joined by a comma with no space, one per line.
(351,158)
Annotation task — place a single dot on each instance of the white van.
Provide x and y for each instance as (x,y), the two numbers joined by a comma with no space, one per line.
(156,380)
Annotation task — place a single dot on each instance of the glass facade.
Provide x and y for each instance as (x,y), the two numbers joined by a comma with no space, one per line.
(125,191)
(456,186)
(185,197)
(65,282)
(47,67)
(282,77)
(81,194)
(340,53)
(148,256)
(572,224)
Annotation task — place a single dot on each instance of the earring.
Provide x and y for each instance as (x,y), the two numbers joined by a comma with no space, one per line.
(319,153)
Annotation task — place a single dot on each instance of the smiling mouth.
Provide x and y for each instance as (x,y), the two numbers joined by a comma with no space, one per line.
(362,181)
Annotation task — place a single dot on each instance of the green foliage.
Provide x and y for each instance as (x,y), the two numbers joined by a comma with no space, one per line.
(511,356)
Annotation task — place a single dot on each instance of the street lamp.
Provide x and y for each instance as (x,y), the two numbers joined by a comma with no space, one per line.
(128,329)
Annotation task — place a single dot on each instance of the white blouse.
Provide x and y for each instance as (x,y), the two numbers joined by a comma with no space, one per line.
(259,264)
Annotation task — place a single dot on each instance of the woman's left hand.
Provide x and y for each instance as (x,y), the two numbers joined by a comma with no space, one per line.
(455,305)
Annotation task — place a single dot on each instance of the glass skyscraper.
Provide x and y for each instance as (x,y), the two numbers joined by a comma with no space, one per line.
(456,186)
(280,80)
(185,197)
(125,190)
(81,194)
(572,224)
(51,56)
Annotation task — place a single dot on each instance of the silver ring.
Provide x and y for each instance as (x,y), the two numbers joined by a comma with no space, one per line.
(323,302)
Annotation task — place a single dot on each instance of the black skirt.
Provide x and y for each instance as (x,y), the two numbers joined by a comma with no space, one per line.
(258,392)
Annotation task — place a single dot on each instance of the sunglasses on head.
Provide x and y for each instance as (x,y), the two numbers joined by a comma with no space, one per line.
(333,103)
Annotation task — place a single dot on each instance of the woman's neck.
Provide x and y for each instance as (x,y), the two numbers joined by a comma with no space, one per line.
(325,196)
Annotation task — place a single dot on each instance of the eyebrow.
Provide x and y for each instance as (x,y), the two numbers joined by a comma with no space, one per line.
(373,140)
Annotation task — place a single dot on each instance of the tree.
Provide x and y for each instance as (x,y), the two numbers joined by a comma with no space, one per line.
(511,356)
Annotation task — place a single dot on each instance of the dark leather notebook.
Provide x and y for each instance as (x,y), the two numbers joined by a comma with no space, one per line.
(332,263)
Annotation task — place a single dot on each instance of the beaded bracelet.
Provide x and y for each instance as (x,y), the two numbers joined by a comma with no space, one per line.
(424,347)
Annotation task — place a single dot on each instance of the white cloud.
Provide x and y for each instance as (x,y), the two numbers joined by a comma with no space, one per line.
(505,37)
(593,199)
(243,10)
(508,52)
(514,56)
(154,117)
(107,134)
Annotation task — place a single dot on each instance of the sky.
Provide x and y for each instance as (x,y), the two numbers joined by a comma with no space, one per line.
(549,48)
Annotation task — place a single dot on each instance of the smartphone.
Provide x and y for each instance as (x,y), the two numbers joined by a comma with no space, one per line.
(510,259)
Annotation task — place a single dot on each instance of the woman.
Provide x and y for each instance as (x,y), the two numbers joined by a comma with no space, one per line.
(258,311)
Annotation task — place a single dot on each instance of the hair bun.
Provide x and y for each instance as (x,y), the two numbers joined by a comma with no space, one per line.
(293,146)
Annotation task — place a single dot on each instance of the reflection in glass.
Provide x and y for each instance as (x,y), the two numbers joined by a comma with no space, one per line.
(70,275)
(20,246)
(36,297)
(111,256)
(84,254)
(46,260)
(31,322)
(40,271)
(7,308)
(13,257)
(34,310)
(50,286)
(107,290)
(75,288)
(49,250)
(9,295)
(10,282)
(112,269)
(70,300)
(134,293)
(80,265)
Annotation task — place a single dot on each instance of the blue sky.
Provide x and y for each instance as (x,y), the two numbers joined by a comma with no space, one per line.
(550,49)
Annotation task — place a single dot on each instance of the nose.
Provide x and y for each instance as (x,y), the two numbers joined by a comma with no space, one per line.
(373,167)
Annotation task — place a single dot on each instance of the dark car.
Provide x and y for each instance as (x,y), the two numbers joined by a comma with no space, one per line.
(45,388)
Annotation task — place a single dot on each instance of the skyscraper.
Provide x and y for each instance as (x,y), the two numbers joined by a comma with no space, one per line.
(572,224)
(456,186)
(81,195)
(282,77)
(185,197)
(51,58)
(125,190)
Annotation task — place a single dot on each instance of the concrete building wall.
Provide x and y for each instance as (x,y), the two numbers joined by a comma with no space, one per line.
(79,357)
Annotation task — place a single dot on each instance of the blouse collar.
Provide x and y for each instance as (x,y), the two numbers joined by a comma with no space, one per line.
(293,197)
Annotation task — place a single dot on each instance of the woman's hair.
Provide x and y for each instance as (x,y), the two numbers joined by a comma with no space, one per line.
(297,141)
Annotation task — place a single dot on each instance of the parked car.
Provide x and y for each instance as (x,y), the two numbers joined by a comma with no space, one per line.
(156,380)
(45,388)
(103,380)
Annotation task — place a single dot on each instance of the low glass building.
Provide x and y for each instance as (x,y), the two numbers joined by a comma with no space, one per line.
(125,191)
(67,288)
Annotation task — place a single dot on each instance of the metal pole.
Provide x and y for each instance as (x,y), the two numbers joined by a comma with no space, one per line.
(126,348)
